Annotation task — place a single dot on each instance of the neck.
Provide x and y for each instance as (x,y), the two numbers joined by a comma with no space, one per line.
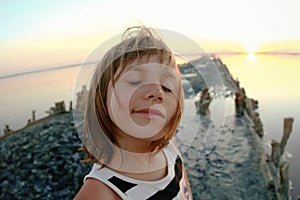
(136,156)
(135,145)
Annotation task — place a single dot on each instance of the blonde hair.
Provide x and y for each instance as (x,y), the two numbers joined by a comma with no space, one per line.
(100,133)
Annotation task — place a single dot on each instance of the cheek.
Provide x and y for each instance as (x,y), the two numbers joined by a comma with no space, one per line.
(173,110)
(172,105)
(118,102)
(124,96)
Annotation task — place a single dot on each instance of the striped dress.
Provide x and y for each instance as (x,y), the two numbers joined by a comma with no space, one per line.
(172,186)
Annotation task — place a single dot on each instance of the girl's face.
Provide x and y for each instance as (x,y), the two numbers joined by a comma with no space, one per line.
(144,99)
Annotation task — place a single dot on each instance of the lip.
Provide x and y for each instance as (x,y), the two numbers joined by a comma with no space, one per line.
(147,112)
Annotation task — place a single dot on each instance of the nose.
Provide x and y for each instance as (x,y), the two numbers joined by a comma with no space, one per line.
(154,92)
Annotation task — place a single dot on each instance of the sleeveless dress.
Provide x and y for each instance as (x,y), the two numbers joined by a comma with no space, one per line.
(172,186)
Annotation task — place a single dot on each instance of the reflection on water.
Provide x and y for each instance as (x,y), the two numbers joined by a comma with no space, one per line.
(274,82)
(266,76)
(20,95)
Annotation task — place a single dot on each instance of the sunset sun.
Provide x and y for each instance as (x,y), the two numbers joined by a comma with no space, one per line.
(251,52)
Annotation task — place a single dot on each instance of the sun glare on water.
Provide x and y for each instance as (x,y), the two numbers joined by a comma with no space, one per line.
(251,53)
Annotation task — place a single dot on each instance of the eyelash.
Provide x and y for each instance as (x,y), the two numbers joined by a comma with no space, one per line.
(134,82)
(166,89)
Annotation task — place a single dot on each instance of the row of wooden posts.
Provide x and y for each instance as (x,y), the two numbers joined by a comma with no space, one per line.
(58,108)
(246,107)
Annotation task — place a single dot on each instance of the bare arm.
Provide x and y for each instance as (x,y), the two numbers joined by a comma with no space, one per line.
(93,189)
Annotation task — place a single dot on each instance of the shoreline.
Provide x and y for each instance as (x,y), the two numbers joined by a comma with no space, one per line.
(38,121)
(57,109)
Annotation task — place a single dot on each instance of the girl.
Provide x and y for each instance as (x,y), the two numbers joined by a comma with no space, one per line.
(134,107)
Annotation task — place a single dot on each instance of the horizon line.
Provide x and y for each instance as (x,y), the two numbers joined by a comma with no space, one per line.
(218,53)
(44,70)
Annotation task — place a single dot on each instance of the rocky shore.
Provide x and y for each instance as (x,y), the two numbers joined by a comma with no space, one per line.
(42,161)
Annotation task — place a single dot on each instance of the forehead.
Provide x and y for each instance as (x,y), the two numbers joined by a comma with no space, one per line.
(152,62)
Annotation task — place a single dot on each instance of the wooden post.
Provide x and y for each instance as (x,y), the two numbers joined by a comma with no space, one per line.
(6,129)
(70,107)
(81,98)
(63,106)
(275,156)
(204,102)
(287,129)
(284,178)
(33,116)
(240,103)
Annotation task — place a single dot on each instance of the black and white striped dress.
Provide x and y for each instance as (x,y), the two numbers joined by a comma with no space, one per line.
(172,186)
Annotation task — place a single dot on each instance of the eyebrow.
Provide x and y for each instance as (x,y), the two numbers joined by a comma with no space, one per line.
(134,68)
(167,72)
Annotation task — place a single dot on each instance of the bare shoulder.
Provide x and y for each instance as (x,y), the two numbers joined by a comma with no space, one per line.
(95,189)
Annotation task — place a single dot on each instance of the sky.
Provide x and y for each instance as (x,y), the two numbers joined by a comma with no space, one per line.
(41,34)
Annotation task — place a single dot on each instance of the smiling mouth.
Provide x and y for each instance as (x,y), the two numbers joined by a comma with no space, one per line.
(149,113)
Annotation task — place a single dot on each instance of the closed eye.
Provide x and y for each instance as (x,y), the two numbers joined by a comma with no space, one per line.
(166,89)
(134,82)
